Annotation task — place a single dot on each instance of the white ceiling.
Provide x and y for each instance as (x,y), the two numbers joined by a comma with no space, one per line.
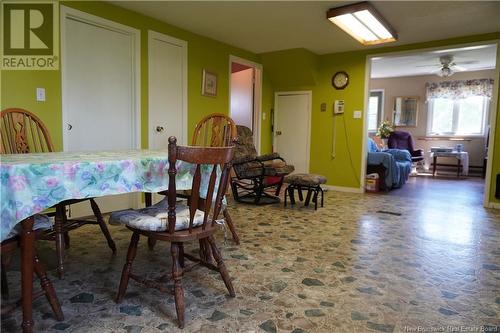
(265,26)
(467,59)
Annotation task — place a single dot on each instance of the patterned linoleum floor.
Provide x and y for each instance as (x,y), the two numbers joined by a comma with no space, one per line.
(362,263)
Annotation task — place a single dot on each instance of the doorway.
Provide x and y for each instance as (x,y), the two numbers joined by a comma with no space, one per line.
(245,95)
(100,91)
(453,124)
(292,122)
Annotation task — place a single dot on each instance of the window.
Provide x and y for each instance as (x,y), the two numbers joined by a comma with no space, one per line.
(375,109)
(464,116)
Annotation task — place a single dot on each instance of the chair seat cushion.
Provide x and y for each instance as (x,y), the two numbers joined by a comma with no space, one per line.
(42,222)
(155,218)
(305,179)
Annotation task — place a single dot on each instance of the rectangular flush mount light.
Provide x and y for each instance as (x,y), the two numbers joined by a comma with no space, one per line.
(363,22)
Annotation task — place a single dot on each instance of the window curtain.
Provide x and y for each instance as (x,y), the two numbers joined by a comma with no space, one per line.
(459,89)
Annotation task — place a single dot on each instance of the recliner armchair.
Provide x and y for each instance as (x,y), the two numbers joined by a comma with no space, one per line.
(403,140)
(256,175)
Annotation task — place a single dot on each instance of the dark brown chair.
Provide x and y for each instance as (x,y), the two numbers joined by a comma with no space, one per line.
(214,130)
(23,132)
(184,224)
(9,246)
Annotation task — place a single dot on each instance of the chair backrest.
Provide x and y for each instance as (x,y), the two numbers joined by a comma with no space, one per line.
(400,140)
(208,158)
(22,132)
(244,146)
(215,130)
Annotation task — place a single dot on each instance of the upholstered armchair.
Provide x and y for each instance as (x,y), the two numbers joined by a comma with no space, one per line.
(392,165)
(403,140)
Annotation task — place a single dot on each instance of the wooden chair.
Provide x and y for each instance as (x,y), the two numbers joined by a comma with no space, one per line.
(23,132)
(198,222)
(7,247)
(214,130)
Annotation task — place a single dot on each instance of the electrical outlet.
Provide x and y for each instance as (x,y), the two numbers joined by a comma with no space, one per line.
(40,94)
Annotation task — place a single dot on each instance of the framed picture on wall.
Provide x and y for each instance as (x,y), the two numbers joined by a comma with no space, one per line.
(209,84)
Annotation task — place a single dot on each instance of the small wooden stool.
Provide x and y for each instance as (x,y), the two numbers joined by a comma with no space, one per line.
(305,181)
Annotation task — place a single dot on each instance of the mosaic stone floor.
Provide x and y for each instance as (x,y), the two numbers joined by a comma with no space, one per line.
(363,263)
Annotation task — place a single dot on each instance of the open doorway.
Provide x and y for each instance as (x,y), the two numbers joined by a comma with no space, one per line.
(439,106)
(245,95)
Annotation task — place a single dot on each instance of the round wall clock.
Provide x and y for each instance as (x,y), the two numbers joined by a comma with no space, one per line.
(340,80)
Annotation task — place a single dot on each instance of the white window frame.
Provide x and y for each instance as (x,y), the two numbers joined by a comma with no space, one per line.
(456,110)
(380,116)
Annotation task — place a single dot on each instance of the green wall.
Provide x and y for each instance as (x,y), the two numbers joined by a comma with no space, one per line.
(298,68)
(18,87)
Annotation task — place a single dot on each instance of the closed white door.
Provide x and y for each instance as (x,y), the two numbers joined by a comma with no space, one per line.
(100,92)
(292,120)
(167,90)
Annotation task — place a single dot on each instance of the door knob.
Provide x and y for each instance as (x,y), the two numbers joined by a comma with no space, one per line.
(70,127)
(159,129)
(278,132)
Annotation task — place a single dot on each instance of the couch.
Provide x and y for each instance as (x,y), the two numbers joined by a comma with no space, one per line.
(392,165)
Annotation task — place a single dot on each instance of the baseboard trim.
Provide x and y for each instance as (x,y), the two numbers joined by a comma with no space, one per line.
(494,205)
(343,189)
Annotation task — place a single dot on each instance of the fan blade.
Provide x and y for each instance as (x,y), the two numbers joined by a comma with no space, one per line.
(459,68)
(469,62)
(429,65)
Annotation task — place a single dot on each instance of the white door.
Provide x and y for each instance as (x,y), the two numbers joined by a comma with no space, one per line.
(292,119)
(100,91)
(167,92)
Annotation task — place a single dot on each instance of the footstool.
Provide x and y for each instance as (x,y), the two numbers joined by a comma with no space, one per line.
(305,181)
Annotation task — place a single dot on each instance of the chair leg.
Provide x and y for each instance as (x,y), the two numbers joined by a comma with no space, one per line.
(231,226)
(151,243)
(299,190)
(322,194)
(205,251)
(132,251)
(278,188)
(66,240)
(48,289)
(5,283)
(59,220)
(177,276)
(102,225)
(308,197)
(220,264)
(292,194)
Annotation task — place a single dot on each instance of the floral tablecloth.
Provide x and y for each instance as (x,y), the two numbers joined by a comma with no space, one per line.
(31,183)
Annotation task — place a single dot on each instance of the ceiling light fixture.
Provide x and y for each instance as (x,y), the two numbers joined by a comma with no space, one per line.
(363,22)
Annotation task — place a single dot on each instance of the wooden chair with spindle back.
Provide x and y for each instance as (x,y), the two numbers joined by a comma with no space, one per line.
(214,130)
(184,224)
(22,132)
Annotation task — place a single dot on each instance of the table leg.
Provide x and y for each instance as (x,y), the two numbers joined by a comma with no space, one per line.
(59,235)
(458,167)
(434,161)
(27,253)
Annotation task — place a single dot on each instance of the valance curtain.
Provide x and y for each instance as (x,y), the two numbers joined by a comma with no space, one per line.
(459,89)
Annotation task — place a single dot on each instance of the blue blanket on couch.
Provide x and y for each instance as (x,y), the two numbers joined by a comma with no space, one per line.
(397,163)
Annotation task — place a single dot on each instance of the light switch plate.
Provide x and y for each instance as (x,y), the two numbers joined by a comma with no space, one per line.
(40,94)
(357,114)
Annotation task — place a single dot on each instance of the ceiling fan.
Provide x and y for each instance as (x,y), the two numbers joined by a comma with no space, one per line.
(448,67)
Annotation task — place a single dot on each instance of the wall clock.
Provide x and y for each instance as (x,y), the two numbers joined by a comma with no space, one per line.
(340,80)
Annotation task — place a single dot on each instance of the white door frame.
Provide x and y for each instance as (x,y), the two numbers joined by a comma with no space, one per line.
(184,46)
(309,114)
(493,111)
(257,99)
(135,34)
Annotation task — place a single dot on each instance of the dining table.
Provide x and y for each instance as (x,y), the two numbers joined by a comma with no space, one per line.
(32,183)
